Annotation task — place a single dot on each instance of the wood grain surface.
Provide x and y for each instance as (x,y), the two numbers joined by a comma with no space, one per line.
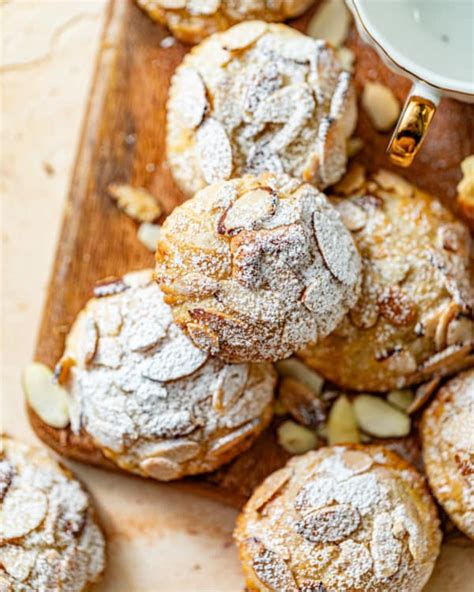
(123,140)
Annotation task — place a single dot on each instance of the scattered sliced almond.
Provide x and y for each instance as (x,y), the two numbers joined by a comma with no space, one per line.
(148,234)
(331,22)
(279,409)
(214,151)
(445,319)
(346,57)
(295,438)
(378,418)
(342,425)
(248,210)
(381,105)
(242,35)
(294,368)
(136,202)
(47,399)
(354,146)
(301,402)
(423,394)
(465,197)
(393,182)
(352,181)
(460,330)
(401,398)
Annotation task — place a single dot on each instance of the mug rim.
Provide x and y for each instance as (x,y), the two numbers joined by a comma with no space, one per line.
(412,69)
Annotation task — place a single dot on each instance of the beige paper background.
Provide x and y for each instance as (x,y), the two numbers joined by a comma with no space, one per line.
(160,539)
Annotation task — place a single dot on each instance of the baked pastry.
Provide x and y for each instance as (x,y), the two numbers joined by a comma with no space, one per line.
(49,538)
(256,267)
(259,98)
(414,318)
(352,518)
(447,434)
(150,400)
(193,20)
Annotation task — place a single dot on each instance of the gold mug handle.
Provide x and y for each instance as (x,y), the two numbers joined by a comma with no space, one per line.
(413,124)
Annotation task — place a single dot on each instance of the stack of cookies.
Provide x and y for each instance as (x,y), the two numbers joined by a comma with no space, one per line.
(337,315)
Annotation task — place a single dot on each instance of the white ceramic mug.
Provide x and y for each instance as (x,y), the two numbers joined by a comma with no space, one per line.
(432,43)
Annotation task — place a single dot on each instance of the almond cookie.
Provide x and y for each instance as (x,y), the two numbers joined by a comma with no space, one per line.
(154,403)
(193,20)
(259,98)
(352,518)
(257,267)
(414,318)
(49,538)
(447,433)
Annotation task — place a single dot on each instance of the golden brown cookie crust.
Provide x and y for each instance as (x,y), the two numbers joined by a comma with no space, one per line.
(151,401)
(259,98)
(351,518)
(256,267)
(49,537)
(448,449)
(193,20)
(414,316)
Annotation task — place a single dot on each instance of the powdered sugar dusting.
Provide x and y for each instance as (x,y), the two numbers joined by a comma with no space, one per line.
(342,519)
(280,103)
(160,410)
(45,521)
(292,270)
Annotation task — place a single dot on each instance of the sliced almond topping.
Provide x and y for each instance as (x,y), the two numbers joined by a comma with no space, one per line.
(301,402)
(230,386)
(172,4)
(353,216)
(109,287)
(179,450)
(91,339)
(460,330)
(270,568)
(330,524)
(354,146)
(295,438)
(148,234)
(192,285)
(465,198)
(191,98)
(378,418)
(342,424)
(214,151)
(393,182)
(357,461)
(445,359)
(203,6)
(251,208)
(401,399)
(352,181)
(22,512)
(423,395)
(222,445)
(47,399)
(242,35)
(176,359)
(331,22)
(296,369)
(397,307)
(203,337)
(445,319)
(136,202)
(400,362)
(161,469)
(381,105)
(268,490)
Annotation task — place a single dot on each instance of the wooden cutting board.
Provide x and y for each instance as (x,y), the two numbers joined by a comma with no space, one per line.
(123,140)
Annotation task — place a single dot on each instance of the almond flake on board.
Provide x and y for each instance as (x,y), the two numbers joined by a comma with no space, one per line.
(301,402)
(148,234)
(295,438)
(136,202)
(423,394)
(47,399)
(401,399)
(342,424)
(378,418)
(352,181)
(331,22)
(214,151)
(242,35)
(381,105)
(299,371)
